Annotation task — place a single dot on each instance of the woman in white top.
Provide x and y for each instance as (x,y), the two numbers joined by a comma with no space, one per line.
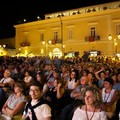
(73,82)
(109,96)
(91,110)
(28,78)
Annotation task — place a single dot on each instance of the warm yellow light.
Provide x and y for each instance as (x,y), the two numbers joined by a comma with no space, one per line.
(50,54)
(4,46)
(119,36)
(24,20)
(115,43)
(26,52)
(49,41)
(43,42)
(38,17)
(110,37)
(19,49)
(42,51)
(63,46)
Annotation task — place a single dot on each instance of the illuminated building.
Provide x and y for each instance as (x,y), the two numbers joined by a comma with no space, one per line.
(80,30)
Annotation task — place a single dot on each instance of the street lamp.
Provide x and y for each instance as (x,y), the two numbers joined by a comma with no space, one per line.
(2,46)
(61,27)
(2,50)
(115,42)
(45,44)
(24,20)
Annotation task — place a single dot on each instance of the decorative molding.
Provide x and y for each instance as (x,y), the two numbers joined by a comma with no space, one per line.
(92,23)
(41,30)
(25,32)
(116,20)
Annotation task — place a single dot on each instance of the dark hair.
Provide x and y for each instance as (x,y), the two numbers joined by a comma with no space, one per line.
(57,71)
(28,71)
(37,84)
(17,68)
(113,74)
(60,80)
(76,75)
(100,73)
(86,70)
(109,70)
(110,80)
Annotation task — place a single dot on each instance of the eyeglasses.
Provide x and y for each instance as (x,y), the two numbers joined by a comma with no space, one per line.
(72,74)
(34,90)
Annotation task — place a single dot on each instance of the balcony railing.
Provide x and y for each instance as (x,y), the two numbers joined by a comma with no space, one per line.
(92,38)
(56,41)
(24,44)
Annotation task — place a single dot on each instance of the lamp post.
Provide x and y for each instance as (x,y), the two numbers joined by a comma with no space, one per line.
(115,42)
(61,27)
(45,44)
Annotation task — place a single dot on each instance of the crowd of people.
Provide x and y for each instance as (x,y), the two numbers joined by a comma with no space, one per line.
(40,88)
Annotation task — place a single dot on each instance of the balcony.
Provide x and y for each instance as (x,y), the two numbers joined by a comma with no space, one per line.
(56,41)
(92,38)
(24,44)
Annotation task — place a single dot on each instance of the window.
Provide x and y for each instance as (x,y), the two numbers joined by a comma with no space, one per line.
(41,37)
(55,35)
(93,31)
(70,34)
(117,30)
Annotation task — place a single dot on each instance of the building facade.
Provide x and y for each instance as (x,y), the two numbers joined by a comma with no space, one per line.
(76,30)
(7,47)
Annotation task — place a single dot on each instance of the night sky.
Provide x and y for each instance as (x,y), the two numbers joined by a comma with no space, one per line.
(13,12)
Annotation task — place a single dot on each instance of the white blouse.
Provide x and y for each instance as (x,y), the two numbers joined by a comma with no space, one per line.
(106,97)
(71,84)
(80,114)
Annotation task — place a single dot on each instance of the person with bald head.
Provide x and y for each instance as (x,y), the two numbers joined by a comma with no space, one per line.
(76,94)
(6,84)
(6,80)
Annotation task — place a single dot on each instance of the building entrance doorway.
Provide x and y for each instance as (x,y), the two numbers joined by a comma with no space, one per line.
(57,52)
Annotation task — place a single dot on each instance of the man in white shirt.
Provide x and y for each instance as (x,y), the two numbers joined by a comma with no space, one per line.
(36,108)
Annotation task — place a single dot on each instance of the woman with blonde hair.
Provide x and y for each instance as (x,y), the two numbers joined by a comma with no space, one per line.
(91,110)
